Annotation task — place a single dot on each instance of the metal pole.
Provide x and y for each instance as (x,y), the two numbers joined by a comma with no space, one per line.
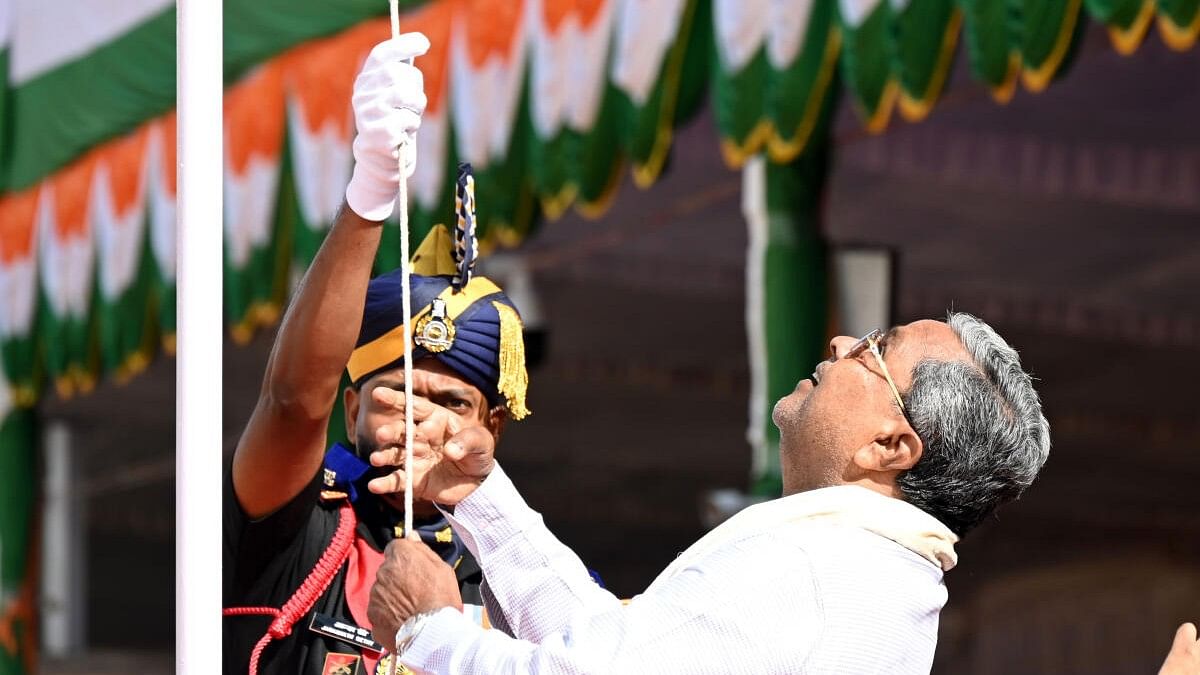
(786,295)
(199,330)
(63,593)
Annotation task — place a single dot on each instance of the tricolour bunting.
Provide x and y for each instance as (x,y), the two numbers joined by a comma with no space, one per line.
(255,259)
(66,264)
(803,43)
(573,152)
(81,74)
(19,293)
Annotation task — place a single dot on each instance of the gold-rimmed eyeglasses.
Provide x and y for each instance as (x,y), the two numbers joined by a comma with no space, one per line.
(870,342)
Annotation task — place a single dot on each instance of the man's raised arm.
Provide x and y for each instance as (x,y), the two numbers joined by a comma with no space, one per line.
(284,441)
(539,584)
(750,607)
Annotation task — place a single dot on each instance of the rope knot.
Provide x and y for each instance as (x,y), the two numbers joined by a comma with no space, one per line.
(281,627)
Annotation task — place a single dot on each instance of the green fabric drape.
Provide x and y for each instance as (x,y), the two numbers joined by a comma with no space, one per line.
(1046,33)
(6,124)
(1180,21)
(255,292)
(129,326)
(597,161)
(922,43)
(256,30)
(994,58)
(22,364)
(867,65)
(59,115)
(682,85)
(18,501)
(68,343)
(506,204)
(738,105)
(798,92)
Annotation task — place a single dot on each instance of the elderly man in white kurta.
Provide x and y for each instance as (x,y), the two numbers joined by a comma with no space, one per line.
(895,447)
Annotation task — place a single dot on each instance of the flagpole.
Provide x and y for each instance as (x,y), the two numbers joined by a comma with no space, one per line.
(199,332)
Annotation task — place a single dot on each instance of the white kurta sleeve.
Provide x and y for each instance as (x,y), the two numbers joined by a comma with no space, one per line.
(538,582)
(749,607)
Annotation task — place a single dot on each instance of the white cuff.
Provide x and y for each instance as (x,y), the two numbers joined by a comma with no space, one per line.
(439,633)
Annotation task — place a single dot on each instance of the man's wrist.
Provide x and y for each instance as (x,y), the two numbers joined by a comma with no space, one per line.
(409,630)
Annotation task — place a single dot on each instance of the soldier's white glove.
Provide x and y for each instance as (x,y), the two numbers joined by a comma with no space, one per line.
(389,97)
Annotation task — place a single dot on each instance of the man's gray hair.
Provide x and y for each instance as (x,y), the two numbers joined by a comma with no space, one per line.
(982,426)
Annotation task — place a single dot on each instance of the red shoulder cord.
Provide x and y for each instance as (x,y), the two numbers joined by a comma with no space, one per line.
(313,588)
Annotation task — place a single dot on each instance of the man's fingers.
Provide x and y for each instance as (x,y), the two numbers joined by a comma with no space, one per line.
(1185,637)
(388,397)
(393,454)
(394,399)
(389,484)
(408,46)
(394,433)
(387,457)
(453,451)
(406,93)
(469,441)
(398,549)
(393,483)
(390,433)
(406,551)
(454,425)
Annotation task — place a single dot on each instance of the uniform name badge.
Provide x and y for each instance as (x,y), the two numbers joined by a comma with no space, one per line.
(343,631)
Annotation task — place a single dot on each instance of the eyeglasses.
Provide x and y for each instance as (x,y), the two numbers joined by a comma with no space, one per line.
(870,341)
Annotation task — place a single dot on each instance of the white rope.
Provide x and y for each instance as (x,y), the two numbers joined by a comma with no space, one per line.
(409,532)
(406,298)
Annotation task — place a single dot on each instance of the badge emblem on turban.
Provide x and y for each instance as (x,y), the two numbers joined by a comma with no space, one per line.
(435,330)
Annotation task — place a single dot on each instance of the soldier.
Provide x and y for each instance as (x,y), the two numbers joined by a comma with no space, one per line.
(305,525)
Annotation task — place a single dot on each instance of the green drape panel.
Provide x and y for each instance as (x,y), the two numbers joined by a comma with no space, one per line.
(798,93)
(18,501)
(647,129)
(256,30)
(59,115)
(867,65)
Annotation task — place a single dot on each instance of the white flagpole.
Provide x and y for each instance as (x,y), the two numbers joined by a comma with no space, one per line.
(199,329)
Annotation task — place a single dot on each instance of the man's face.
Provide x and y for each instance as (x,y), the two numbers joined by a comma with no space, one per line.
(432,380)
(847,404)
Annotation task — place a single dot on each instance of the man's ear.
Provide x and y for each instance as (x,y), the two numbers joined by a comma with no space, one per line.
(495,419)
(895,448)
(351,400)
